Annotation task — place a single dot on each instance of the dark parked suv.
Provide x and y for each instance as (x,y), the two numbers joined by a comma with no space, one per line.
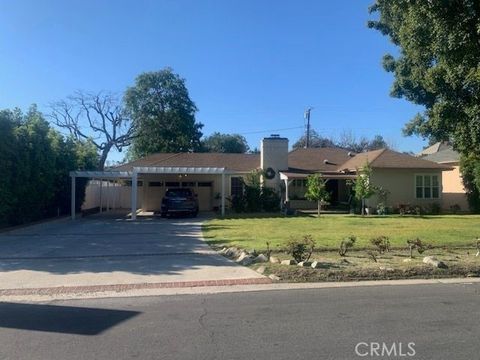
(179,201)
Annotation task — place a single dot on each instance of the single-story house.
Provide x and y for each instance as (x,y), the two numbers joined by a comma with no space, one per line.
(216,177)
(454,194)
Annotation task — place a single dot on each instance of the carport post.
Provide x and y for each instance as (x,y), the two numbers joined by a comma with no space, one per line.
(223,194)
(73,197)
(134,195)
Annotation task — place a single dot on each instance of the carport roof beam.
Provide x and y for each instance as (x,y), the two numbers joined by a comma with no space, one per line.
(178,170)
(102,174)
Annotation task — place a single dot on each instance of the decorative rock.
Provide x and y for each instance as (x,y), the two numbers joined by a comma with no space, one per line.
(316,265)
(407,260)
(223,251)
(261,269)
(288,262)
(242,256)
(305,263)
(232,252)
(260,259)
(252,252)
(274,277)
(247,260)
(430,260)
(274,260)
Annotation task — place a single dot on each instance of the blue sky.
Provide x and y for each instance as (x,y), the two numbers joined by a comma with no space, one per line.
(250,66)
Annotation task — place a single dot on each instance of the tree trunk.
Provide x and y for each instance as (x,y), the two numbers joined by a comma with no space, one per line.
(363,207)
(319,207)
(103,157)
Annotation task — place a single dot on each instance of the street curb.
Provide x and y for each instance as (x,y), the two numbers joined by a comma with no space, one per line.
(188,288)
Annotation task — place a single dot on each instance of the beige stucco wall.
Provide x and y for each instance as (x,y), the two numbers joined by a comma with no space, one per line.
(149,198)
(401,184)
(453,190)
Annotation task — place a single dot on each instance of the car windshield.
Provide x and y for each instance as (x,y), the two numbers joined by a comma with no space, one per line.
(178,193)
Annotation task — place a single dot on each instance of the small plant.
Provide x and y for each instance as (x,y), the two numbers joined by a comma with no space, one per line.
(372,255)
(346,244)
(381,243)
(301,250)
(269,251)
(416,244)
(381,209)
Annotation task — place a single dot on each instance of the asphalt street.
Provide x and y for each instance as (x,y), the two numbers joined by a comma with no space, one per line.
(418,322)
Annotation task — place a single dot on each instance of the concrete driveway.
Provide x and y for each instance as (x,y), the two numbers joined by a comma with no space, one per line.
(108,250)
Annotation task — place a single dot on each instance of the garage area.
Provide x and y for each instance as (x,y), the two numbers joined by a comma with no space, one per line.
(142,189)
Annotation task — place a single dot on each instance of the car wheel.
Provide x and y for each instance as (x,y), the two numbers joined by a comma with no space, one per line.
(163,214)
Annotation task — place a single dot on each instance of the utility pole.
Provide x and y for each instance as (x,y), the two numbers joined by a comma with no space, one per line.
(307,116)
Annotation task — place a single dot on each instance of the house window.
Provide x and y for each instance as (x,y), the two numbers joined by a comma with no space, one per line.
(204,184)
(300,183)
(129,183)
(236,184)
(172,184)
(188,184)
(427,187)
(155,184)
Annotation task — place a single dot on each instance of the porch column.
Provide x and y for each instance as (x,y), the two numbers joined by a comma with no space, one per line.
(73,197)
(108,195)
(223,194)
(134,196)
(287,198)
(114,193)
(101,195)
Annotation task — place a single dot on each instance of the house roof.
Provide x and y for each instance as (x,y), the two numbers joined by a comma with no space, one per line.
(235,162)
(444,156)
(316,159)
(389,159)
(325,160)
(439,146)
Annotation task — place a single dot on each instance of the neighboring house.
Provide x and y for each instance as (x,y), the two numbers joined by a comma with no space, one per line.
(453,190)
(217,177)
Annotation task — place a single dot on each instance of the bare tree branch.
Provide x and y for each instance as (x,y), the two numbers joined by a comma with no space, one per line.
(99,118)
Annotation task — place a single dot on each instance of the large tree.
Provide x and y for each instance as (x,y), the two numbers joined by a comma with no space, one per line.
(349,141)
(437,67)
(316,141)
(35,161)
(164,114)
(225,143)
(98,119)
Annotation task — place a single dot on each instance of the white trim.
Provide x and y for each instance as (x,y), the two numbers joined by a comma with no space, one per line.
(440,186)
(178,170)
(102,174)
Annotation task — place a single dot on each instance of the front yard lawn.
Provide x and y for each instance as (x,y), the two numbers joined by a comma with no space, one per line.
(249,232)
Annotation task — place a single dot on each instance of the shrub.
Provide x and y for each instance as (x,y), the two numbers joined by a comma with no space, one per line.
(381,243)
(434,209)
(301,249)
(270,200)
(416,244)
(346,244)
(381,209)
(455,208)
(372,255)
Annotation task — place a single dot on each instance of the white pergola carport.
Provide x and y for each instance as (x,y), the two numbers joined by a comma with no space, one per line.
(133,175)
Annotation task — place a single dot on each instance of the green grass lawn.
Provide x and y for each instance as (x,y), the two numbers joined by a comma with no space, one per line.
(254,231)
